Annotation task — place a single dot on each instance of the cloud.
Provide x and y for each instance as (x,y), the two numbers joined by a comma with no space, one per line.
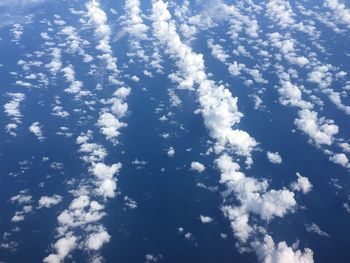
(36,129)
(321,131)
(21,198)
(340,12)
(340,158)
(56,63)
(253,196)
(217,51)
(98,19)
(269,252)
(63,247)
(96,240)
(133,23)
(171,151)
(49,201)
(313,228)
(110,126)
(205,219)
(274,158)
(197,166)
(106,183)
(12,110)
(302,184)
(218,106)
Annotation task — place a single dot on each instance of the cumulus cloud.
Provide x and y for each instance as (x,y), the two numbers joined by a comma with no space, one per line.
(97,18)
(205,219)
(56,63)
(49,201)
(341,159)
(197,166)
(340,11)
(217,51)
(12,110)
(36,129)
(110,126)
(269,252)
(254,197)
(321,131)
(133,23)
(218,106)
(106,184)
(63,247)
(96,240)
(274,158)
(302,184)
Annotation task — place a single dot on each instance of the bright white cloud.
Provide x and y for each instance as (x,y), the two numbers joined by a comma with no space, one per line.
(197,166)
(274,158)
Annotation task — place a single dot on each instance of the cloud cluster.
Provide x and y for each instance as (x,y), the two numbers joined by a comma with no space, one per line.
(12,110)
(218,106)
(36,129)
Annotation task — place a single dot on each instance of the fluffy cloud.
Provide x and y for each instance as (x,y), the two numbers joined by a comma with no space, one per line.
(98,19)
(106,184)
(254,197)
(321,131)
(110,126)
(269,252)
(56,63)
(63,247)
(274,158)
(340,12)
(134,26)
(217,51)
(340,158)
(218,106)
(36,129)
(197,166)
(12,107)
(302,184)
(12,110)
(96,240)
(49,201)
(205,219)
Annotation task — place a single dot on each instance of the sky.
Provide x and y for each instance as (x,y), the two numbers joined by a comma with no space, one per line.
(178,131)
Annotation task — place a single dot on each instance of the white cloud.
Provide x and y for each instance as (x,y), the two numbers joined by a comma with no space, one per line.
(63,247)
(340,158)
(313,228)
(321,131)
(12,110)
(218,106)
(171,151)
(340,12)
(110,126)
(106,184)
(36,129)
(56,63)
(197,166)
(96,240)
(22,198)
(217,51)
(269,252)
(98,19)
(302,184)
(133,23)
(274,158)
(49,201)
(205,219)
(254,197)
